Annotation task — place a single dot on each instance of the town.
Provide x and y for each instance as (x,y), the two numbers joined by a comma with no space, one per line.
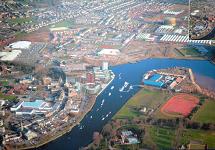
(202,20)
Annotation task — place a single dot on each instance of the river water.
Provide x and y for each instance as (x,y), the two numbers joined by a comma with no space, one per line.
(107,105)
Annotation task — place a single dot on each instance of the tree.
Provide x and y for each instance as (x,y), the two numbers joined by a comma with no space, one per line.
(195,125)
(96,138)
(107,130)
(205,126)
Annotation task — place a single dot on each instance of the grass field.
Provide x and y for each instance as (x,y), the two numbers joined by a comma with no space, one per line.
(144,98)
(20,20)
(66,23)
(206,137)
(161,137)
(206,113)
(7,97)
(4,83)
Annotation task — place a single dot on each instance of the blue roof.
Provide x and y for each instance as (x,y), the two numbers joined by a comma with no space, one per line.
(133,140)
(35,104)
(155,77)
(152,81)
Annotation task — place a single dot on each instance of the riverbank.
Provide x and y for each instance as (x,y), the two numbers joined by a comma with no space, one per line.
(68,128)
(142,111)
(131,73)
(176,58)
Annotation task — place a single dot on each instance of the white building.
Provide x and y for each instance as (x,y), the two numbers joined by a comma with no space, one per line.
(109,52)
(20,45)
(105,66)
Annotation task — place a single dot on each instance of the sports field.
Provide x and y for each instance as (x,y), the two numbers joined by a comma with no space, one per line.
(161,138)
(180,104)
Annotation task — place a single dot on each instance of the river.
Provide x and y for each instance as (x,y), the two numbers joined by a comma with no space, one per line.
(81,135)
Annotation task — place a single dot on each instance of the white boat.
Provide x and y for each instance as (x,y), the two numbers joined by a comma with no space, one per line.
(91,117)
(120,76)
(121,89)
(102,103)
(124,86)
(97,109)
(112,88)
(103,118)
(109,94)
(81,127)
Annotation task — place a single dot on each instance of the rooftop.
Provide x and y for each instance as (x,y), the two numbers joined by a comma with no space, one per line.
(35,104)
(20,45)
(153,81)
(9,56)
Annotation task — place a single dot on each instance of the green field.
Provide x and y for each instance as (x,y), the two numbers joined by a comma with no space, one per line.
(66,23)
(7,97)
(163,138)
(20,20)
(206,137)
(189,51)
(4,83)
(206,113)
(144,98)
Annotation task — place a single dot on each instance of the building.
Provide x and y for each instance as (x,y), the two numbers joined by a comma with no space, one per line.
(113,52)
(72,92)
(92,88)
(170,21)
(29,108)
(75,108)
(10,56)
(154,80)
(30,135)
(128,137)
(20,45)
(47,80)
(105,66)
(90,77)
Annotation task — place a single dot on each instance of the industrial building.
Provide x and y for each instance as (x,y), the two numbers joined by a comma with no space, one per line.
(20,45)
(154,80)
(183,39)
(10,56)
(29,108)
(162,79)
